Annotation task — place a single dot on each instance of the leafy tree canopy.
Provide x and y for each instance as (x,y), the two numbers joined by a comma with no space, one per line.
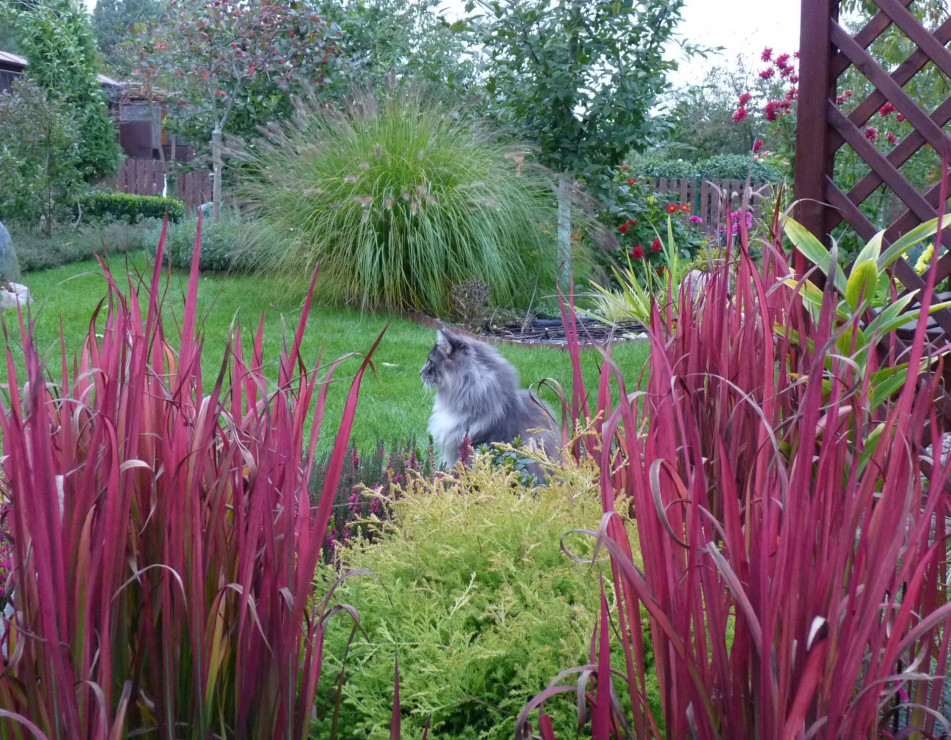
(113,21)
(578,76)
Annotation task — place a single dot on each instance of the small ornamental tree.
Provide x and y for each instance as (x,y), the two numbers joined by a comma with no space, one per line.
(579,77)
(232,58)
(57,40)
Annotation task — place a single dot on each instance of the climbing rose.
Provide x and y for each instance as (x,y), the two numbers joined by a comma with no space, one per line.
(638,252)
(871,133)
(656,247)
(740,115)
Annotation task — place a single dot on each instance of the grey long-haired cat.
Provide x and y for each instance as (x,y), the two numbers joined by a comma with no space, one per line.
(478,394)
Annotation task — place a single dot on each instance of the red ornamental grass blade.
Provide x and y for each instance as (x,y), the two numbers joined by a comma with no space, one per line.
(601,714)
(396,718)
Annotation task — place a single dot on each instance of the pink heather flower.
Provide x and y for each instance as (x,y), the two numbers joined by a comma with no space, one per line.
(871,133)
(757,145)
(782,60)
(696,220)
(637,253)
(892,138)
(886,109)
(767,74)
(767,54)
(656,245)
(744,99)
(740,115)
(899,118)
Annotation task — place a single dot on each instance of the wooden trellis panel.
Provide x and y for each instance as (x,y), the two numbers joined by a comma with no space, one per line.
(826,51)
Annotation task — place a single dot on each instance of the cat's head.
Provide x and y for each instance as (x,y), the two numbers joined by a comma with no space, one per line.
(446,359)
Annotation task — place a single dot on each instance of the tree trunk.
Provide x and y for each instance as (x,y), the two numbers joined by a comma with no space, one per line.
(216,171)
(564,230)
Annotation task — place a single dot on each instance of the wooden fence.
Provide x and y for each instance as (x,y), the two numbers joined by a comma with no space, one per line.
(147,177)
(709,199)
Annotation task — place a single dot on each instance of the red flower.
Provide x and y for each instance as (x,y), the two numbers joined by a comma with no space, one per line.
(740,115)
(794,79)
(785,71)
(781,61)
(848,93)
(656,246)
(767,74)
(632,221)
(767,54)
(744,99)
(631,182)
(624,227)
(796,55)
(792,93)
(671,208)
(886,109)
(892,138)
(757,145)
(637,253)
(899,118)
(871,133)
(660,271)
(624,168)
(685,208)
(770,112)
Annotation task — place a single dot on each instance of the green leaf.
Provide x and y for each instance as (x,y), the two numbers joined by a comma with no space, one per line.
(871,251)
(906,242)
(813,250)
(862,282)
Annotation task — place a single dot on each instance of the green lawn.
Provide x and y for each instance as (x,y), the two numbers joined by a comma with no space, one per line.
(393,404)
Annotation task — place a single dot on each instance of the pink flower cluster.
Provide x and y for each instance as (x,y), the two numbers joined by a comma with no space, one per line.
(785,69)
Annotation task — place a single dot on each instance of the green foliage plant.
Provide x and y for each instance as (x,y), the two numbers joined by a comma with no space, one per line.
(59,44)
(222,245)
(39,156)
(474,595)
(868,309)
(398,201)
(109,206)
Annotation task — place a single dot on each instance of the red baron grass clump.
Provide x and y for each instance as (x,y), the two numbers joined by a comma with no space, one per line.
(794,544)
(164,539)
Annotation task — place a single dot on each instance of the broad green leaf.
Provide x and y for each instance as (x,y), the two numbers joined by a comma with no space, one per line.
(813,250)
(871,251)
(862,283)
(906,242)
(892,380)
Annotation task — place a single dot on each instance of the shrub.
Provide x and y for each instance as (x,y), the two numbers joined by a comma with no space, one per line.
(108,206)
(738,167)
(475,596)
(794,562)
(398,201)
(37,251)
(670,168)
(223,245)
(164,542)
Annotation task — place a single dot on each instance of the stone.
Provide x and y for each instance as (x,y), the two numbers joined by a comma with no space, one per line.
(13,295)
(9,266)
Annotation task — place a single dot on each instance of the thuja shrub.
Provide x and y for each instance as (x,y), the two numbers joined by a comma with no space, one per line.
(398,199)
(794,560)
(109,206)
(164,543)
(472,592)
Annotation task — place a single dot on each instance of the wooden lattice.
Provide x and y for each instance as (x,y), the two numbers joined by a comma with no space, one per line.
(826,52)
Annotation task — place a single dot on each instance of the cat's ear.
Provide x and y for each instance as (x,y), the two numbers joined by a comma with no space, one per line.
(447,341)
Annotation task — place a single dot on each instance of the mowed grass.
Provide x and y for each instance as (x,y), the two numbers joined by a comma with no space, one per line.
(393,403)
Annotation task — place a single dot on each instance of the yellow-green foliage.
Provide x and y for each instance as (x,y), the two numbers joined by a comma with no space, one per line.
(477,598)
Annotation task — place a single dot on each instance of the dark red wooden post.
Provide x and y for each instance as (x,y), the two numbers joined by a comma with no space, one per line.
(816,91)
